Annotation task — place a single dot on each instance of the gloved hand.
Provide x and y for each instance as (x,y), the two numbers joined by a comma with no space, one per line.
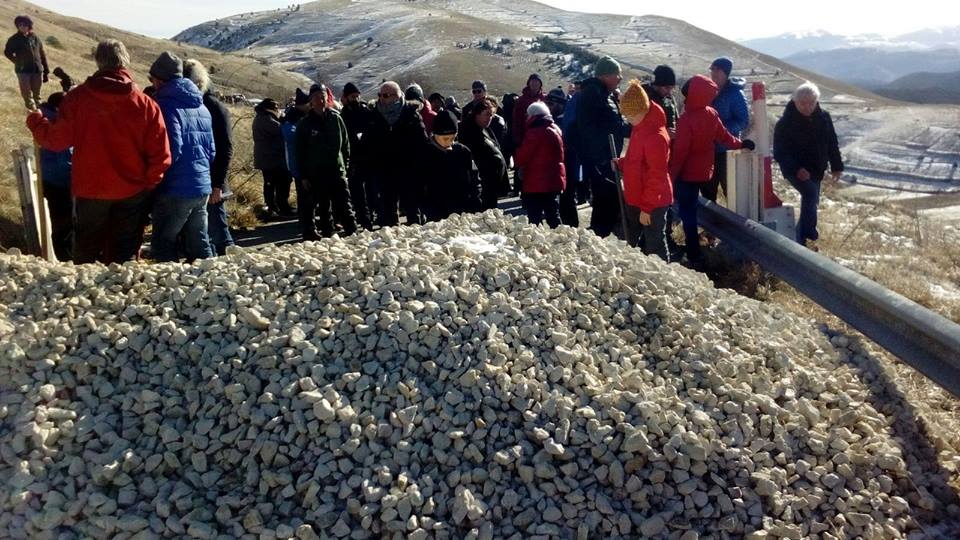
(46,77)
(748,144)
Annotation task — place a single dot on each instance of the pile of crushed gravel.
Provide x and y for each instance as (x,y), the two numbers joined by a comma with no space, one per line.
(475,378)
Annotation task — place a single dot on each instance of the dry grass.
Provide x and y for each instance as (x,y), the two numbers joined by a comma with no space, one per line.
(234,74)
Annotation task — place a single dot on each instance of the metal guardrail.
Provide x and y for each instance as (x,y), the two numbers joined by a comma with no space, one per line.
(923,339)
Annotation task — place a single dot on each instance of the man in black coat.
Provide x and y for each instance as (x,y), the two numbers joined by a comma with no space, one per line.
(598,117)
(26,52)
(356,115)
(804,144)
(392,141)
(477,135)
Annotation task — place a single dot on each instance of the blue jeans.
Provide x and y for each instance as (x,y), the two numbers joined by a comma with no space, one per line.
(809,201)
(218,229)
(687,195)
(172,217)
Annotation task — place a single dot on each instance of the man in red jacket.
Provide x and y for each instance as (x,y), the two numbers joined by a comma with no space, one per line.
(120,152)
(646,179)
(691,163)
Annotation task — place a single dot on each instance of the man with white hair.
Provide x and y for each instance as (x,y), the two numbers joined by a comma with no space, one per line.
(804,144)
(120,152)
(392,140)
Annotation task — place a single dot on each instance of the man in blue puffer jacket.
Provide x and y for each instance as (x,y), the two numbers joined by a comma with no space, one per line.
(731,104)
(180,207)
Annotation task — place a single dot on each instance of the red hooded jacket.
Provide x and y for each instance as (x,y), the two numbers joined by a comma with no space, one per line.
(646,176)
(540,157)
(428,115)
(698,129)
(119,139)
(526,99)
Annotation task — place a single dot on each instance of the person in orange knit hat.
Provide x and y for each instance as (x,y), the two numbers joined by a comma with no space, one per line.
(646,175)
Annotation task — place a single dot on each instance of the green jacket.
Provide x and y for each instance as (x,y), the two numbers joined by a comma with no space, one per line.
(26,53)
(668,104)
(322,145)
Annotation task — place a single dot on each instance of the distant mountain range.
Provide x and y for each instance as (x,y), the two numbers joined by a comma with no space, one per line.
(909,67)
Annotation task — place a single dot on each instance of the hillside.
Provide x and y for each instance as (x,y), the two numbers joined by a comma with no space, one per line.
(925,87)
(69,42)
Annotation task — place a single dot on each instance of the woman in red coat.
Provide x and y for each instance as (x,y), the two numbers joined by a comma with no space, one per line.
(540,159)
(646,177)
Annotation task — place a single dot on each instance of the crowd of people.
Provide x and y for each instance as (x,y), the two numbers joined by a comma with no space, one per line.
(362,164)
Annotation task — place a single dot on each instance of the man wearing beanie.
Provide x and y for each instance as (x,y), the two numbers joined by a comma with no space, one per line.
(113,173)
(323,154)
(647,192)
(25,50)
(734,110)
(451,182)
(356,115)
(660,91)
(598,117)
(541,163)
(180,206)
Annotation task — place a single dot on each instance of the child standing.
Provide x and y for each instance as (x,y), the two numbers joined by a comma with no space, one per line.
(56,168)
(646,176)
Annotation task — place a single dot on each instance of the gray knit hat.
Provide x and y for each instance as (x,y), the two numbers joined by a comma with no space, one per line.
(167,66)
(606,66)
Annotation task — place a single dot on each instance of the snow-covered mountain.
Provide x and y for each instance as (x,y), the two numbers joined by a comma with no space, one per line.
(792,43)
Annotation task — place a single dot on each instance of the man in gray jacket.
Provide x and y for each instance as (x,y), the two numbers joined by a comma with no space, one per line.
(26,52)
(269,156)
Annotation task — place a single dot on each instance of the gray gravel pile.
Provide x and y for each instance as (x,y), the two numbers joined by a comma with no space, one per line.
(479,378)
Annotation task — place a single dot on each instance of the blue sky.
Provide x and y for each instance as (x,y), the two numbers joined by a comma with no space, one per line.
(733,20)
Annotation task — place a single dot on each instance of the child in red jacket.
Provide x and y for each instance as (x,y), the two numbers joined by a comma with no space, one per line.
(646,176)
(691,161)
(540,158)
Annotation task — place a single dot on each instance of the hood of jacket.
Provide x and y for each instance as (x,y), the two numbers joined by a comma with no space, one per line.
(736,82)
(653,122)
(111,85)
(701,92)
(536,96)
(181,93)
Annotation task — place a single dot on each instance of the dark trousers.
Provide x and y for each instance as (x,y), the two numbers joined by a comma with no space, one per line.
(711,189)
(176,218)
(323,194)
(30,84)
(276,190)
(568,205)
(809,201)
(490,192)
(217,228)
(109,231)
(605,217)
(397,192)
(358,198)
(687,195)
(651,238)
(542,207)
(60,205)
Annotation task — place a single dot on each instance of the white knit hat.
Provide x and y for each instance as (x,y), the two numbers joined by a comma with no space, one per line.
(538,108)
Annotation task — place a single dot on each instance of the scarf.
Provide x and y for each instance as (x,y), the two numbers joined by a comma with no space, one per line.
(391,113)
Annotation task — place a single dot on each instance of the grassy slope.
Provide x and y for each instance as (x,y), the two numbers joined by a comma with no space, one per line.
(76,39)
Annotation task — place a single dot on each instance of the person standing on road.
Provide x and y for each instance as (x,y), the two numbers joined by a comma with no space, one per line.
(804,145)
(734,111)
(540,159)
(180,206)
(598,117)
(269,156)
(25,50)
(323,155)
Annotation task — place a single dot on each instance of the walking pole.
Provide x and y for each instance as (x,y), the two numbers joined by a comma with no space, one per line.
(41,205)
(619,182)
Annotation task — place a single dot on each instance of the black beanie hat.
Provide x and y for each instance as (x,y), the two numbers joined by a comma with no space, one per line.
(349,89)
(534,77)
(556,95)
(478,85)
(664,76)
(301,98)
(445,123)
